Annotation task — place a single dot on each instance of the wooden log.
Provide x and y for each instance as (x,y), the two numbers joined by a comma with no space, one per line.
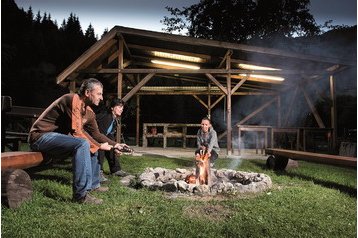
(20,159)
(276,162)
(16,187)
(313,157)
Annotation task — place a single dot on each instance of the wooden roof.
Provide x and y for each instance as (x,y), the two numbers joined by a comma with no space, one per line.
(103,61)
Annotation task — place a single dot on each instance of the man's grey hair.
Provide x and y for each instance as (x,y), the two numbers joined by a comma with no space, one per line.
(89,84)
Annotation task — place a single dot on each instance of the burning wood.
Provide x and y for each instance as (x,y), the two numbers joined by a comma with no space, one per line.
(202,175)
(191,179)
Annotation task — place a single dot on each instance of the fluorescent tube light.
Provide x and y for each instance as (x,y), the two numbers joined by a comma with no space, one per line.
(261,76)
(255,67)
(177,56)
(187,66)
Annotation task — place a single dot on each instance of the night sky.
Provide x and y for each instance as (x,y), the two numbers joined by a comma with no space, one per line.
(146,14)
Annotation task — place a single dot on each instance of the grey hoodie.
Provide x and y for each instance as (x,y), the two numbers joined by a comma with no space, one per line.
(209,140)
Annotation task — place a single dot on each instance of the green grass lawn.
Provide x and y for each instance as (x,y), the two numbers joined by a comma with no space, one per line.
(309,201)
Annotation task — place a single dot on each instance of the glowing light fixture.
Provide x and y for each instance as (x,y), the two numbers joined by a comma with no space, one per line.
(187,66)
(255,67)
(177,56)
(261,76)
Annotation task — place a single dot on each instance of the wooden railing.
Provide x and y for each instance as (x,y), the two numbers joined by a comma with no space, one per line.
(168,130)
(297,138)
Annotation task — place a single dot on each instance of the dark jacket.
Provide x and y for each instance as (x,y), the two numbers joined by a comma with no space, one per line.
(104,120)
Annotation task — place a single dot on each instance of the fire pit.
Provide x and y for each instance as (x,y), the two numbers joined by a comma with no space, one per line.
(223,181)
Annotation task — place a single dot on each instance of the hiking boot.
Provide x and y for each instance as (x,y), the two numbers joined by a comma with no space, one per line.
(100,189)
(88,199)
(102,178)
(120,173)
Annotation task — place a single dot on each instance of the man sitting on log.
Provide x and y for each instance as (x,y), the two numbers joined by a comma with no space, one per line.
(68,128)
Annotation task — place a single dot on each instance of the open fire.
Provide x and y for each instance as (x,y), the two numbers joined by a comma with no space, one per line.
(202,173)
(223,181)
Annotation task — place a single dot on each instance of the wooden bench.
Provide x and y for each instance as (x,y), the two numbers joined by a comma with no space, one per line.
(16,186)
(278,158)
(169,130)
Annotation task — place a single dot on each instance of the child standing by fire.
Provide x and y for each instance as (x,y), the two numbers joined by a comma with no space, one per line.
(207,140)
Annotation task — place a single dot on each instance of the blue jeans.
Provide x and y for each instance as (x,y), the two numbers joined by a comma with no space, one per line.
(85,166)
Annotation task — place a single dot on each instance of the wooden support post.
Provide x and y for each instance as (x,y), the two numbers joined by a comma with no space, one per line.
(165,133)
(72,86)
(137,114)
(239,141)
(333,111)
(278,111)
(137,119)
(119,84)
(228,111)
(209,100)
(144,137)
(257,143)
(184,130)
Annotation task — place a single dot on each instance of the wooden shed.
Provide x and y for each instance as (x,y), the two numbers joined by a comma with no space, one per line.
(210,71)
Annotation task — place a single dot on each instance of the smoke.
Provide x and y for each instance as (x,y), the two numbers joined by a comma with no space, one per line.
(235,162)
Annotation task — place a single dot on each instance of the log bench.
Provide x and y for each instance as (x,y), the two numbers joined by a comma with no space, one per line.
(16,186)
(278,158)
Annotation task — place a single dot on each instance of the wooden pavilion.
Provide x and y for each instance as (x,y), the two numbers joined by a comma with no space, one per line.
(210,71)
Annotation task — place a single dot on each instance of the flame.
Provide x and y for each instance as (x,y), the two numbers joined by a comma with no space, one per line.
(202,168)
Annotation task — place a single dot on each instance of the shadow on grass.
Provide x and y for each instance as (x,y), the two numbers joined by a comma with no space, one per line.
(328,184)
(58,179)
(65,165)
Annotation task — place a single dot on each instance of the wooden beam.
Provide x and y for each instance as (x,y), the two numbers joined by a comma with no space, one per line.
(215,81)
(201,71)
(75,65)
(238,85)
(217,101)
(120,37)
(227,54)
(97,57)
(256,111)
(249,116)
(313,108)
(205,93)
(201,101)
(137,87)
